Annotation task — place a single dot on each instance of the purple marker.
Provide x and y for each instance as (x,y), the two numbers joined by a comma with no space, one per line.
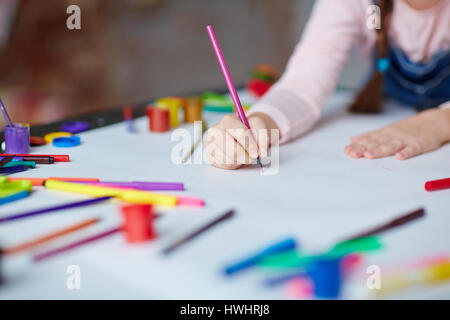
(44,255)
(14,159)
(138,185)
(170,186)
(51,209)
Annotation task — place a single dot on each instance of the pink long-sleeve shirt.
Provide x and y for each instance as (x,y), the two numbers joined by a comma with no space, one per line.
(295,102)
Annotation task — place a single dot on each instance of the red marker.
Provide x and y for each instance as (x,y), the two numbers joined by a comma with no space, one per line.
(56,157)
(437,185)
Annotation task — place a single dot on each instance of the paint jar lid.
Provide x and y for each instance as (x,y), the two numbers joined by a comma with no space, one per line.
(75,126)
(50,136)
(66,142)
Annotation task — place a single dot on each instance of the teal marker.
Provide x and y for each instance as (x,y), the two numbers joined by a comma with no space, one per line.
(31,164)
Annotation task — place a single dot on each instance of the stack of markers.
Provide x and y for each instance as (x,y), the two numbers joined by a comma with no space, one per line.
(306,276)
(14,163)
(138,215)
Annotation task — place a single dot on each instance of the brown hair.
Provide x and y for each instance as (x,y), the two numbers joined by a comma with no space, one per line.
(370,98)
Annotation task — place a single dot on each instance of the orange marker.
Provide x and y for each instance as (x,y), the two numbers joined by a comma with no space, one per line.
(69,179)
(46,238)
(34,181)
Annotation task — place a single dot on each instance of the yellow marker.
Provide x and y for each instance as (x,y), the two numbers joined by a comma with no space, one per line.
(131,196)
(172,104)
(431,275)
(53,135)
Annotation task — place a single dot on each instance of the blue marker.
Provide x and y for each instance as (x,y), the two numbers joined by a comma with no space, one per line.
(275,281)
(14,197)
(279,247)
(13,169)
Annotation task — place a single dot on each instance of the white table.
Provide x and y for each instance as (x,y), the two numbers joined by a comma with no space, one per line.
(319,196)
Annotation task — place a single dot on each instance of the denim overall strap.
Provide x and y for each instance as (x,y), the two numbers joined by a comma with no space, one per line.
(421,85)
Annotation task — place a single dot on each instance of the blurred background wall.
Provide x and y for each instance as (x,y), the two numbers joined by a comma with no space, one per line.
(133,50)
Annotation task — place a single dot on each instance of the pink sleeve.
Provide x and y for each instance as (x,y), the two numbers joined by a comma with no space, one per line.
(296,100)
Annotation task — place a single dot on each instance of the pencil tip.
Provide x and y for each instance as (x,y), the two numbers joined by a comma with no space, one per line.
(258,160)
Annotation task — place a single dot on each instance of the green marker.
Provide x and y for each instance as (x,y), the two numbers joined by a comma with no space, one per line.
(8,188)
(294,259)
(358,245)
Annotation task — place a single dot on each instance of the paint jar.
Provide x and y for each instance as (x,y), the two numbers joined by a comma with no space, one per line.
(158,119)
(193,107)
(172,104)
(17,139)
(138,223)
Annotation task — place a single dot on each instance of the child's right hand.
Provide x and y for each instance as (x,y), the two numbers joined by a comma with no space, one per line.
(229,144)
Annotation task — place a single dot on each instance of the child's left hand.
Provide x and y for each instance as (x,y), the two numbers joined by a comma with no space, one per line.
(405,139)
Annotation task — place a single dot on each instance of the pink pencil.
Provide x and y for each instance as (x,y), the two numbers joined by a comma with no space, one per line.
(229,81)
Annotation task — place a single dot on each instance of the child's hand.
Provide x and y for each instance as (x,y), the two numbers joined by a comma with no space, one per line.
(229,144)
(405,139)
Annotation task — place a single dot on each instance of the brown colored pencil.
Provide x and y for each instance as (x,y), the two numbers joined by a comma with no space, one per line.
(182,241)
(401,220)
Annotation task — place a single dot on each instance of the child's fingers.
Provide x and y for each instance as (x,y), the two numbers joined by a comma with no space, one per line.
(235,128)
(223,150)
(357,138)
(235,151)
(384,150)
(261,135)
(214,147)
(218,164)
(407,153)
(412,149)
(355,150)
